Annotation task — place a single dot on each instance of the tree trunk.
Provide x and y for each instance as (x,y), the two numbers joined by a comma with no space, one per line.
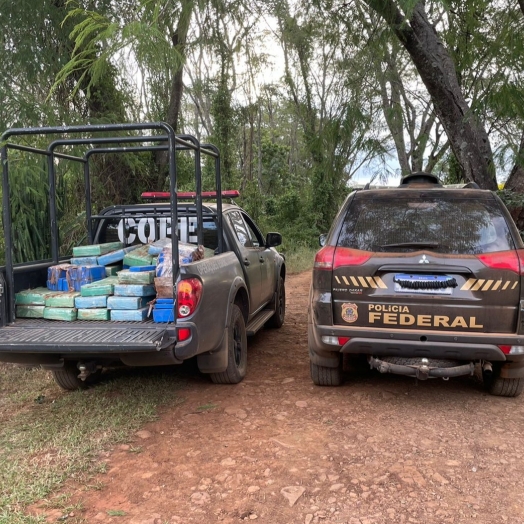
(466,134)
(179,40)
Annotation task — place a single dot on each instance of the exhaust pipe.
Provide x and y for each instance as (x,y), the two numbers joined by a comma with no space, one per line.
(487,370)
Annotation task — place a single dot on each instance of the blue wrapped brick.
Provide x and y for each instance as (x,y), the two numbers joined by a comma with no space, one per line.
(55,274)
(99,301)
(134,290)
(84,261)
(129,315)
(77,276)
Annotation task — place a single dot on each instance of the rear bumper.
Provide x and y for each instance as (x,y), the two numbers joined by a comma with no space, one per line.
(44,341)
(48,343)
(408,343)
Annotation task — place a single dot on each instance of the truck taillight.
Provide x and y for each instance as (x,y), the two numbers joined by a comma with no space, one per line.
(189,292)
(329,257)
(512,260)
(183,334)
(512,350)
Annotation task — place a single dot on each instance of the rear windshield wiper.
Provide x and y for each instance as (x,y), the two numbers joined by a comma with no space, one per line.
(411,244)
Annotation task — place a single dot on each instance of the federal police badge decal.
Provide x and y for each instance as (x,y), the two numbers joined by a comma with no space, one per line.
(349,313)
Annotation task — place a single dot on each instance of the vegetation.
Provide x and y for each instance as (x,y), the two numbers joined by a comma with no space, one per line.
(47,436)
(299,97)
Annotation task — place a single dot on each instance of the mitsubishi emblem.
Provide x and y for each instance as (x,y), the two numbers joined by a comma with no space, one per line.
(423,260)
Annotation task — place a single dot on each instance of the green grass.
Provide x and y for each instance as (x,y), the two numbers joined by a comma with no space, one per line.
(299,258)
(48,436)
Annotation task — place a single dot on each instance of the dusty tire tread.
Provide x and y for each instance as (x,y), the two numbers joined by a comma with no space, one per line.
(277,321)
(506,387)
(233,373)
(324,376)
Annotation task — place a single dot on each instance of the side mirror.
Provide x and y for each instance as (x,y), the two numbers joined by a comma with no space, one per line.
(273,239)
(322,239)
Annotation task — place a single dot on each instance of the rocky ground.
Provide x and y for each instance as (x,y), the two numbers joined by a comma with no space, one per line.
(277,449)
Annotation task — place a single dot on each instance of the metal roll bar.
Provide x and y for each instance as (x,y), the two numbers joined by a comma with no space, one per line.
(175,143)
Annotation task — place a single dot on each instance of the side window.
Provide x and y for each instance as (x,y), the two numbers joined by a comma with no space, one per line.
(254,233)
(240,228)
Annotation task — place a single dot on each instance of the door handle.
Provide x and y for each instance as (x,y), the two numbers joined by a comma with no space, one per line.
(262,260)
(246,262)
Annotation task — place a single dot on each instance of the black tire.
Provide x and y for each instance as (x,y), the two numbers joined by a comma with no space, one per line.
(503,387)
(277,320)
(67,377)
(324,376)
(236,351)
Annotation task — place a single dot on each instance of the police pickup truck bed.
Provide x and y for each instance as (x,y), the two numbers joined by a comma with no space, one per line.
(224,297)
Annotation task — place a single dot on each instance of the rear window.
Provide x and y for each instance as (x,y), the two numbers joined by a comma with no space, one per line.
(403,223)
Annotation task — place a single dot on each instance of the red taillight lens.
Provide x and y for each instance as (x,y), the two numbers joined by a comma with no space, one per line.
(345,256)
(505,349)
(331,258)
(183,334)
(510,260)
(189,292)
(324,258)
(343,340)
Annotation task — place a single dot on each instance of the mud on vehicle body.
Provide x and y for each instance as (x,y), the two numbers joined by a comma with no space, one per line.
(424,281)
(218,300)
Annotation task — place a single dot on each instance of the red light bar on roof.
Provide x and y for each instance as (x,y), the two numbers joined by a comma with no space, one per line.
(188,195)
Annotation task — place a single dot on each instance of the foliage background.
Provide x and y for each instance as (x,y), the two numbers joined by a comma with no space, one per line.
(303,100)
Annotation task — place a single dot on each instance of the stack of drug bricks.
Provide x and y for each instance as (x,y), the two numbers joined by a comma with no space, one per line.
(109,282)
(80,289)
(124,294)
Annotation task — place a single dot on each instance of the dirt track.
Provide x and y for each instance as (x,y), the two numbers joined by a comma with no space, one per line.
(379,449)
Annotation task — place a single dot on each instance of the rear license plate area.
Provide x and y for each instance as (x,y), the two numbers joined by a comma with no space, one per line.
(424,284)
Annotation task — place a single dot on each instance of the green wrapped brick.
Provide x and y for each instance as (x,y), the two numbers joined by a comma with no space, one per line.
(138,277)
(33,297)
(96,249)
(66,299)
(30,311)
(138,257)
(60,313)
(93,314)
(112,271)
(105,286)
(128,302)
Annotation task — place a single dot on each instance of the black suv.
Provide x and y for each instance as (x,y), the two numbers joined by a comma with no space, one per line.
(422,280)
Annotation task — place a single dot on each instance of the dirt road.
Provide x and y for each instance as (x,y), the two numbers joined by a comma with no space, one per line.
(276,449)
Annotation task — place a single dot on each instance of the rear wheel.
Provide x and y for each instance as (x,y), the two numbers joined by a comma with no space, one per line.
(277,320)
(324,376)
(503,387)
(67,377)
(236,351)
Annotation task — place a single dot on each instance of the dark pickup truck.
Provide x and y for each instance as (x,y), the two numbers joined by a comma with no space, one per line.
(219,300)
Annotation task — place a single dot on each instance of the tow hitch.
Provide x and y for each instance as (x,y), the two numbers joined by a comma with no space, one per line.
(86,369)
(421,368)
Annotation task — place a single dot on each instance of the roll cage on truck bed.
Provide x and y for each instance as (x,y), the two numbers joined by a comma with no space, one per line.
(33,341)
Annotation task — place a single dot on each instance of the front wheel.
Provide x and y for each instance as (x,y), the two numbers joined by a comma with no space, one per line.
(503,387)
(324,376)
(236,351)
(277,320)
